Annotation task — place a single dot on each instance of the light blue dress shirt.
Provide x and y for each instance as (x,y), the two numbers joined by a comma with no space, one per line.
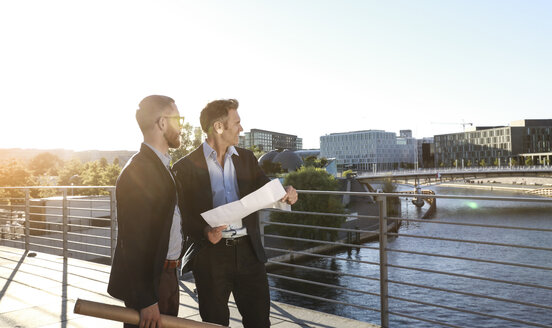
(175,238)
(224,185)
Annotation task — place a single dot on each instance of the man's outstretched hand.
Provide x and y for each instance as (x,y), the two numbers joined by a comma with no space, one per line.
(291,195)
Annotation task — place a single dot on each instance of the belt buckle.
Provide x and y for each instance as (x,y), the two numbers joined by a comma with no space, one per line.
(229,242)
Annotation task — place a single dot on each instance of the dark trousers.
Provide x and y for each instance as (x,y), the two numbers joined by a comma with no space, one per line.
(220,270)
(169,295)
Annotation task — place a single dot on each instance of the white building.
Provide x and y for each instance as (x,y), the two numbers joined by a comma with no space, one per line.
(370,150)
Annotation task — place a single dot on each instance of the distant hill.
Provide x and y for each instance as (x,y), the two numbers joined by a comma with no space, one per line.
(64,154)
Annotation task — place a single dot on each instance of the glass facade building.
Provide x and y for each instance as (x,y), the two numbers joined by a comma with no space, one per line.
(268,140)
(500,145)
(370,150)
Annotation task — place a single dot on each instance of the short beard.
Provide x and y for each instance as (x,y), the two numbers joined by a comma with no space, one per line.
(173,142)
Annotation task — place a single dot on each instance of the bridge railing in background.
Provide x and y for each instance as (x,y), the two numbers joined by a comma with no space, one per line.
(65,224)
(85,227)
(473,169)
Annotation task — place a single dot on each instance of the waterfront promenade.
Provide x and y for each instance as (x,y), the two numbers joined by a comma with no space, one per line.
(41,291)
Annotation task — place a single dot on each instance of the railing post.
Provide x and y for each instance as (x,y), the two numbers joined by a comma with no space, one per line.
(383,261)
(113,215)
(27,219)
(65,223)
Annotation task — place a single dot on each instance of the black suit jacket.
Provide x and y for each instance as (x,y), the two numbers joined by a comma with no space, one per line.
(197,197)
(146,199)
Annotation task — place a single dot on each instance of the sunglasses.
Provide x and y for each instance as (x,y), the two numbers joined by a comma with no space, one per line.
(180,120)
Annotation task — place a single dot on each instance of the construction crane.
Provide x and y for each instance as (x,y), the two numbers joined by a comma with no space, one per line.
(462,123)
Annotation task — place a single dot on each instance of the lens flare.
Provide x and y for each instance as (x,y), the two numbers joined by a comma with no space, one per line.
(472,205)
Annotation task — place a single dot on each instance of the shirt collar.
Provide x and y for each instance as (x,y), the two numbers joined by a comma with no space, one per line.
(208,150)
(165,158)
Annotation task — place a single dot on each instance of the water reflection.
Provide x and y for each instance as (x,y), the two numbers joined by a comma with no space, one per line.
(509,214)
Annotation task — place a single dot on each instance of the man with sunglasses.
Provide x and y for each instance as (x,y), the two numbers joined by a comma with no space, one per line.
(150,235)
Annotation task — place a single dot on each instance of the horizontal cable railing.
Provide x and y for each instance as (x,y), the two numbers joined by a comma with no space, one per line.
(307,259)
(304,265)
(67,223)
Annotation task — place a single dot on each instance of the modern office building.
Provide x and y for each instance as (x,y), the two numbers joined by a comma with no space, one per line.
(498,145)
(426,152)
(268,140)
(370,150)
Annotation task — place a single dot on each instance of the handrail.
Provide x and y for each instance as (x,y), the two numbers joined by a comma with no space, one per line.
(71,231)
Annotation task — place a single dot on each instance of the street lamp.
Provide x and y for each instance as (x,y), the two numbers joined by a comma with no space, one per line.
(71,179)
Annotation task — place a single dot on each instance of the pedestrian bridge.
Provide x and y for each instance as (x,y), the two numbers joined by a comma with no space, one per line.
(40,290)
(439,175)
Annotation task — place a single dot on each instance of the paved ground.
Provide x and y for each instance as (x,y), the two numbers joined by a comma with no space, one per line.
(41,292)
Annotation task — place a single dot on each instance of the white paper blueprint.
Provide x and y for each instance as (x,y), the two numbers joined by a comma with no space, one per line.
(268,196)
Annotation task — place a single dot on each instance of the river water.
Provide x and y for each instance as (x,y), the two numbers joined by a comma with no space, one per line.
(525,214)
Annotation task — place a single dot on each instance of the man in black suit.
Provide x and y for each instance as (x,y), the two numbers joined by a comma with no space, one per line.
(227,259)
(150,236)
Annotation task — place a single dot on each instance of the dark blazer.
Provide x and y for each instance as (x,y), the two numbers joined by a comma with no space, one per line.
(197,196)
(146,199)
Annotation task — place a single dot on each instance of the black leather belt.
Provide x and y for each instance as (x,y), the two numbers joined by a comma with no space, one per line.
(234,241)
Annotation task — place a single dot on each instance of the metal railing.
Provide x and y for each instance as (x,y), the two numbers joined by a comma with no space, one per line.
(85,227)
(81,226)
(385,280)
(466,169)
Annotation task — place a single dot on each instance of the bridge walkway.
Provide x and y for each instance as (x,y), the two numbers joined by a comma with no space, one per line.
(41,291)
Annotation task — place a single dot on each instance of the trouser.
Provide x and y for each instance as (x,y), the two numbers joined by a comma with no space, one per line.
(169,294)
(220,270)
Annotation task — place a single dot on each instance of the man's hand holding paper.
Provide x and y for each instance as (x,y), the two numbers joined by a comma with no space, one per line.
(268,196)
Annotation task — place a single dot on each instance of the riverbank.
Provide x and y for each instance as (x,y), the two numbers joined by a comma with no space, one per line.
(303,255)
(523,184)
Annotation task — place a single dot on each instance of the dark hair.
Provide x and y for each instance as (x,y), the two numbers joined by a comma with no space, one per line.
(216,111)
(149,110)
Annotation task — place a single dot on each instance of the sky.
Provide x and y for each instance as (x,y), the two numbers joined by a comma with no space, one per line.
(73,72)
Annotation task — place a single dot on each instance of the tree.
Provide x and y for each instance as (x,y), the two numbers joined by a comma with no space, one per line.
(70,173)
(313,161)
(513,162)
(14,174)
(310,178)
(469,163)
(496,161)
(528,161)
(271,169)
(45,163)
(103,163)
(190,139)
(257,151)
(111,173)
(310,161)
(482,163)
(92,174)
(346,173)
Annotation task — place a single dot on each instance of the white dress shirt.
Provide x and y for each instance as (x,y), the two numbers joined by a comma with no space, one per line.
(175,238)
(224,185)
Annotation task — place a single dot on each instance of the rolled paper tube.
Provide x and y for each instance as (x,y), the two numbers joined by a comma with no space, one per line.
(123,314)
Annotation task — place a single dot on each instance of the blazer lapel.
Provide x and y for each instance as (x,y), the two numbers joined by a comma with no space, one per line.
(203,183)
(164,171)
(239,174)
